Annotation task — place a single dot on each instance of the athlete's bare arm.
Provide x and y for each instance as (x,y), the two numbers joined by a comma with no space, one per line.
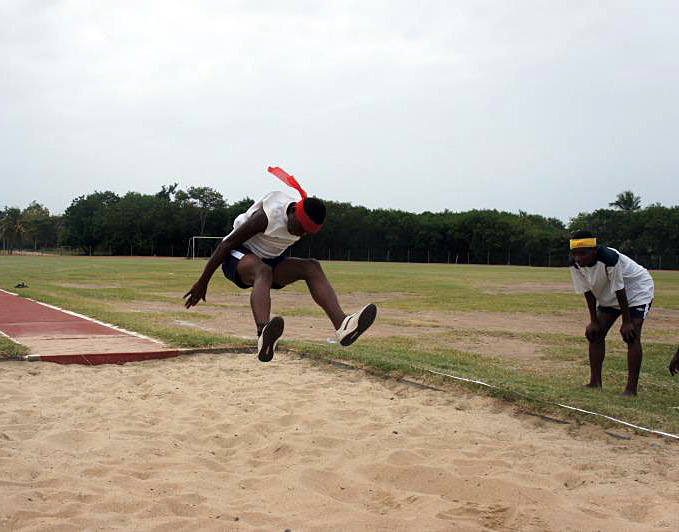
(257,223)
(593,329)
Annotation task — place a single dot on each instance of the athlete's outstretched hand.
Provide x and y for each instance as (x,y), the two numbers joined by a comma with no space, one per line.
(674,365)
(194,295)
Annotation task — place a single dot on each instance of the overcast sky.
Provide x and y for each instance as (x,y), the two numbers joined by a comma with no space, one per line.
(547,107)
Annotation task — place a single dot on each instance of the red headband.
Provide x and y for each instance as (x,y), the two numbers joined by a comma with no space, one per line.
(307,223)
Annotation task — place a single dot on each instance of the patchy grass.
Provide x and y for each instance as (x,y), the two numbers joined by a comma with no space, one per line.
(104,287)
(11,350)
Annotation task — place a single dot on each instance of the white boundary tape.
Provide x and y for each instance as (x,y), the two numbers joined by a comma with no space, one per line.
(114,327)
(658,432)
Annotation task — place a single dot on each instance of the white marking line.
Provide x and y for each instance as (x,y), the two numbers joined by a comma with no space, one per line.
(2,332)
(659,432)
(114,327)
(7,292)
(12,339)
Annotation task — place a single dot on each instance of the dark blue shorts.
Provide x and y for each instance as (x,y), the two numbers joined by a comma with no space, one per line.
(231,263)
(637,311)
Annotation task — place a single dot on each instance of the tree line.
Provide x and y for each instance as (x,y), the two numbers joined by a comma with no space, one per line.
(163,223)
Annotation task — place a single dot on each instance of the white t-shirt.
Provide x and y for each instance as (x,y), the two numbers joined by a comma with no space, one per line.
(613,271)
(276,238)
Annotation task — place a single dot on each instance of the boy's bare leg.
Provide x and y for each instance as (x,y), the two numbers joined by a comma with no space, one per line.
(634,356)
(309,270)
(597,349)
(253,271)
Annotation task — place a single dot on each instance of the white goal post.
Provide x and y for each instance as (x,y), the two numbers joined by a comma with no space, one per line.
(191,250)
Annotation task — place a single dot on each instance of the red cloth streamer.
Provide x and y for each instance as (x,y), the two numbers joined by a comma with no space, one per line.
(287,179)
(307,223)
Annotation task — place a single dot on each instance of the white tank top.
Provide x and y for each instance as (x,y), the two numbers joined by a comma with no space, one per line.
(276,238)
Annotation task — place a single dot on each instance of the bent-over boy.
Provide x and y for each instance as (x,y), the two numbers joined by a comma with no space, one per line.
(620,287)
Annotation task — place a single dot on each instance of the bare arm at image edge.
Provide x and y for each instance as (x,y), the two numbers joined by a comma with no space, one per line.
(674,364)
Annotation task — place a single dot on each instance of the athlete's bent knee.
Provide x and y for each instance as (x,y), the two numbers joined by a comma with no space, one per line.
(312,267)
(599,339)
(264,273)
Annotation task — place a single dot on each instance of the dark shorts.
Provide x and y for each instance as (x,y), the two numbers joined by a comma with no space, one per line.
(231,263)
(637,311)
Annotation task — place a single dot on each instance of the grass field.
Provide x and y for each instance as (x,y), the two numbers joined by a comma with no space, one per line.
(515,327)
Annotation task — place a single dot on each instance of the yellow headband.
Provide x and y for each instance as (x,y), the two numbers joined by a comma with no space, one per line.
(583,243)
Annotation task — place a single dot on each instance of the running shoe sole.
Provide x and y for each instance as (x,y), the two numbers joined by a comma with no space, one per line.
(270,335)
(365,320)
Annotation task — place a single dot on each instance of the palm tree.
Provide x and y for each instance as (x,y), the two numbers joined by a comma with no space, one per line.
(627,201)
(11,227)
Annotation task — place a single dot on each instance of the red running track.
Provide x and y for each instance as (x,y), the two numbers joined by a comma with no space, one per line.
(23,317)
(59,336)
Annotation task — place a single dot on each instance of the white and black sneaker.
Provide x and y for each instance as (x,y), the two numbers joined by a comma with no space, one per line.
(268,340)
(354,325)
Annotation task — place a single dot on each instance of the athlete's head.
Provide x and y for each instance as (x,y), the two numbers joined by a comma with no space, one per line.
(583,247)
(306,216)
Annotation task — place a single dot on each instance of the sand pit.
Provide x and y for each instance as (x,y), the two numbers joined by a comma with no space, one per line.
(222,442)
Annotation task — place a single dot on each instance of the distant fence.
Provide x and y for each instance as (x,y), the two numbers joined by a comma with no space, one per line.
(379,254)
(429,255)
(451,256)
(658,262)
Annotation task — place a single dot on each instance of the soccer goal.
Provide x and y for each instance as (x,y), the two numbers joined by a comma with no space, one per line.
(202,246)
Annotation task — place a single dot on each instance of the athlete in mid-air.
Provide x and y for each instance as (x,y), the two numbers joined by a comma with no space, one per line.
(252,256)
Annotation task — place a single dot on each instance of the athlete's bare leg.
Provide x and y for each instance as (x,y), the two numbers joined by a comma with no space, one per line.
(597,349)
(634,356)
(309,270)
(253,271)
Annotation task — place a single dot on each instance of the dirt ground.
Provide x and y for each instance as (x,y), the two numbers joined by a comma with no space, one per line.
(230,314)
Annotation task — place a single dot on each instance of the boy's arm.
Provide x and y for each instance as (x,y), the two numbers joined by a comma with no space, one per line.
(617,283)
(593,328)
(591,306)
(257,223)
(629,334)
